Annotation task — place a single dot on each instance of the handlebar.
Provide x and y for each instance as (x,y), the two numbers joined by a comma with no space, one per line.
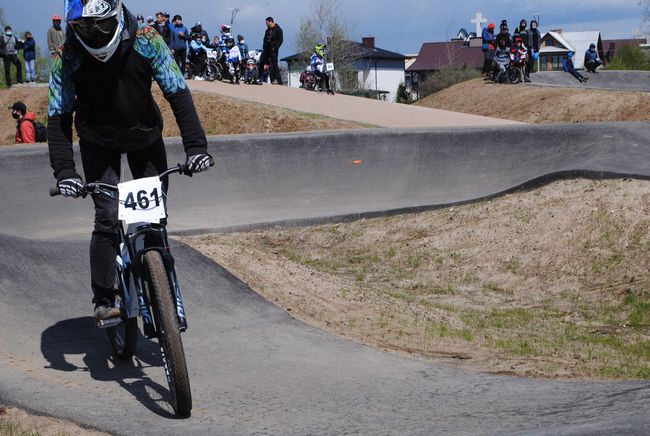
(90,188)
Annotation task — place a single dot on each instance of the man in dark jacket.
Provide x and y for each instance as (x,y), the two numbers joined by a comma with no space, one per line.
(273,39)
(534,39)
(162,27)
(9,46)
(504,34)
(488,47)
(592,61)
(180,37)
(102,81)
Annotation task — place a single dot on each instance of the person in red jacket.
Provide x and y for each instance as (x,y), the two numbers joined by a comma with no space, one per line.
(25,131)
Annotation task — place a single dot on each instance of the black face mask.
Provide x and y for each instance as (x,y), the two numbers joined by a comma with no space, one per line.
(15,115)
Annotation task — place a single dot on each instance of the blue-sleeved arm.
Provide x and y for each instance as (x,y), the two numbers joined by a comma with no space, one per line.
(150,45)
(60,107)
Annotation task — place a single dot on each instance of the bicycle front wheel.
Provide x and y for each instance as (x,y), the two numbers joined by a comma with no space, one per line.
(169,335)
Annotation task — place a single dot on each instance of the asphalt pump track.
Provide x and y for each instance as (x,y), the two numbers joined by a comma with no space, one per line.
(253,368)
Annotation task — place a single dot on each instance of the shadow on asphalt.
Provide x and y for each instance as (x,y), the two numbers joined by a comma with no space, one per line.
(79,336)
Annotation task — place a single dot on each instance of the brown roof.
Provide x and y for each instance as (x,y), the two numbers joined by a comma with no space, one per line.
(611,46)
(438,55)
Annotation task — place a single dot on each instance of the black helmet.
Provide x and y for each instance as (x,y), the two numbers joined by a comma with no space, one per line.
(97,24)
(230,42)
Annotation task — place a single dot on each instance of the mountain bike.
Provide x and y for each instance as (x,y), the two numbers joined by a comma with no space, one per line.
(147,285)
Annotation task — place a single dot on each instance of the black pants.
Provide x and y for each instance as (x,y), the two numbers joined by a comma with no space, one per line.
(270,57)
(179,57)
(7,61)
(487,61)
(103,164)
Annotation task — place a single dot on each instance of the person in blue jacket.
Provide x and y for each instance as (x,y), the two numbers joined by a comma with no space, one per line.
(488,48)
(592,61)
(180,36)
(29,53)
(567,65)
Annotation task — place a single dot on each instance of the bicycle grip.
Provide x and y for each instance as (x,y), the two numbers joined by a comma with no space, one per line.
(54,192)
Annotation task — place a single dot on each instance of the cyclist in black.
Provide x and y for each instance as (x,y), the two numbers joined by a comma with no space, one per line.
(102,79)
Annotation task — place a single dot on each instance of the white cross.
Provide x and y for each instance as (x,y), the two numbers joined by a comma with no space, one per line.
(479,20)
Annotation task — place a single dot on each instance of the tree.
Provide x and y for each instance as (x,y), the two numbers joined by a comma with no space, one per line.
(645,18)
(324,25)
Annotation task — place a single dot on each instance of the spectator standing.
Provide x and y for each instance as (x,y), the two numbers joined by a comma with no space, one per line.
(567,65)
(29,53)
(592,61)
(522,32)
(9,46)
(534,39)
(504,33)
(25,130)
(180,36)
(488,48)
(273,39)
(162,27)
(55,35)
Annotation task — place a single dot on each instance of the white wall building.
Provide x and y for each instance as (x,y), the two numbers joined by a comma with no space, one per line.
(378,70)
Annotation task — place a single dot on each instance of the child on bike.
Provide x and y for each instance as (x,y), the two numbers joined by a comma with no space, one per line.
(197,56)
(317,63)
(101,81)
(501,60)
(519,56)
(234,59)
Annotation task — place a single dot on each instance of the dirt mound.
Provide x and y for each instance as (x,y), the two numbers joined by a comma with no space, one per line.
(539,105)
(219,115)
(551,282)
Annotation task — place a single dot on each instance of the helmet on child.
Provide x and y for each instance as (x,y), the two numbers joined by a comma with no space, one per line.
(230,43)
(518,40)
(56,17)
(319,49)
(225,28)
(97,25)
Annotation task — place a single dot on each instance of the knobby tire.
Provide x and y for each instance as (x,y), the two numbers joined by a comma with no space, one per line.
(169,336)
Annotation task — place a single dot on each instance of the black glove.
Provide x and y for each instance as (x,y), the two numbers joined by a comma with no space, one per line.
(199,162)
(71,187)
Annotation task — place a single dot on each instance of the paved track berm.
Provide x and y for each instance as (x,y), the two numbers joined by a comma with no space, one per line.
(253,368)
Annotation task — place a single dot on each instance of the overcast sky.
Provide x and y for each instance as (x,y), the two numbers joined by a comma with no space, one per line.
(401,26)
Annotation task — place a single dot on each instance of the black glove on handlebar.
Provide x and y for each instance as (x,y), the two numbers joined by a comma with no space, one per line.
(199,162)
(71,187)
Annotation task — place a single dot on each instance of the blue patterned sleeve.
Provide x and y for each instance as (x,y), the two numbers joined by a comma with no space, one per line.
(61,89)
(150,45)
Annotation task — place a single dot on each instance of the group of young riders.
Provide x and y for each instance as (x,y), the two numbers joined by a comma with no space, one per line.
(519,49)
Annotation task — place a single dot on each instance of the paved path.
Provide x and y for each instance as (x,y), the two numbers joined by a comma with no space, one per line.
(609,80)
(253,368)
(362,110)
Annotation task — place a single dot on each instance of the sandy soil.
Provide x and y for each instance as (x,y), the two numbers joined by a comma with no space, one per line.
(538,104)
(219,115)
(18,422)
(549,283)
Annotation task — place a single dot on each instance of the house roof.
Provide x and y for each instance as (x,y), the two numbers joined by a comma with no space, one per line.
(577,42)
(454,54)
(365,52)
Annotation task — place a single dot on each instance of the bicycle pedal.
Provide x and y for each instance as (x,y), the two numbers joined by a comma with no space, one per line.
(108,323)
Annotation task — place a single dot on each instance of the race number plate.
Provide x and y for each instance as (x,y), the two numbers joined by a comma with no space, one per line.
(141,201)
(329,66)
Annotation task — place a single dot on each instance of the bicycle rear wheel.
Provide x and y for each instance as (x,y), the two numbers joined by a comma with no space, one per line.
(169,335)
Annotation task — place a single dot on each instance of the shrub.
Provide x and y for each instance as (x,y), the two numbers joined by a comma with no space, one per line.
(630,57)
(444,78)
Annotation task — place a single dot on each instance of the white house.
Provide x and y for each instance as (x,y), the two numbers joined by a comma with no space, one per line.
(378,70)
(556,43)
